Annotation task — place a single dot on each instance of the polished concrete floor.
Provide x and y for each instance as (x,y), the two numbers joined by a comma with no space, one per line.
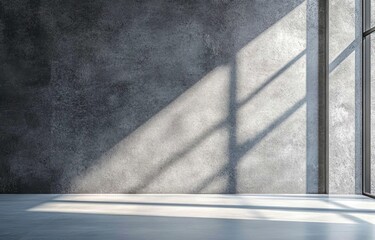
(187,217)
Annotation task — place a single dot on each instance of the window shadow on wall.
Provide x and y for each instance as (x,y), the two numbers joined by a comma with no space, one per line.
(79,78)
(346,97)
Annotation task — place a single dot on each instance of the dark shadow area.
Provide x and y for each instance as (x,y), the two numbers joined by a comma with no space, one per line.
(233,157)
(77,77)
(25,111)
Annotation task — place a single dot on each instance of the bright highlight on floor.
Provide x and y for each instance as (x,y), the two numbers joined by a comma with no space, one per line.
(100,216)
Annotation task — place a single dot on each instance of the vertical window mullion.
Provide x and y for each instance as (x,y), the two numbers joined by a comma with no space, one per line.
(366,95)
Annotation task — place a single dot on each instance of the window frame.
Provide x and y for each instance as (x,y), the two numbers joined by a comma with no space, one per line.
(367,31)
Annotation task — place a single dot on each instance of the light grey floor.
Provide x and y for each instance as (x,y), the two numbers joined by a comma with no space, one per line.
(187,217)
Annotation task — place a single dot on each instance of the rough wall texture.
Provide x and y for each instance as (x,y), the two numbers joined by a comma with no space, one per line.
(153,96)
(372,79)
(345,103)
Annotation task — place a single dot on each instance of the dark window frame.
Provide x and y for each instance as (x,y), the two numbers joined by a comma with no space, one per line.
(366,97)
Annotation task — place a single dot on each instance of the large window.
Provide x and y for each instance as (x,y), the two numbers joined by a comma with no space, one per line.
(369,97)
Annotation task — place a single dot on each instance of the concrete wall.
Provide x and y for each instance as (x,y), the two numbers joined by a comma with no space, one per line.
(345,101)
(372,109)
(155,96)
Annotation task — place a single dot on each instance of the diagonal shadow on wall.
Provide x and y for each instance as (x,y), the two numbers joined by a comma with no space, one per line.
(234,150)
(108,68)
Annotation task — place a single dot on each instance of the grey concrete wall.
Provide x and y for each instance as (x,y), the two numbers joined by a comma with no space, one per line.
(372,99)
(154,96)
(345,101)
(372,108)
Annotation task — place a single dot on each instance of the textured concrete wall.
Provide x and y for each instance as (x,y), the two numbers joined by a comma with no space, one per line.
(345,103)
(372,100)
(153,96)
(372,127)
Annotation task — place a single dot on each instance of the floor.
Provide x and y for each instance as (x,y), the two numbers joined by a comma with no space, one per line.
(187,217)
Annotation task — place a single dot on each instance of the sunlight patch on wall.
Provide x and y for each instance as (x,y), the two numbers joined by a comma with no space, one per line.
(177,143)
(272,87)
(241,128)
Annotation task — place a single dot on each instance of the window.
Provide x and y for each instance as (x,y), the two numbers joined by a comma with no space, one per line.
(368,98)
